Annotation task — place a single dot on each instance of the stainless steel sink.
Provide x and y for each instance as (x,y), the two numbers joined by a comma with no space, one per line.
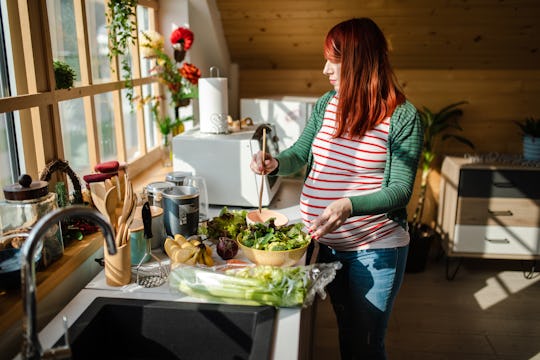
(113,328)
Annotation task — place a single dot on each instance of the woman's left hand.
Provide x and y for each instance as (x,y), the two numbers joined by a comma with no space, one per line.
(332,217)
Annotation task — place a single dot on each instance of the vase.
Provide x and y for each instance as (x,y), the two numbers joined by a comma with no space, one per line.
(179,128)
(531,148)
(166,149)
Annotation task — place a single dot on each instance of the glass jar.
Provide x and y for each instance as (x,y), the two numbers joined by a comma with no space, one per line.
(23,207)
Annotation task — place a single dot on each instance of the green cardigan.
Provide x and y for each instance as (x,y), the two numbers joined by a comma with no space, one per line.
(404,148)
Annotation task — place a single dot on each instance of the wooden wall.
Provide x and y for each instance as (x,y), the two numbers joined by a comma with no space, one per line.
(495,98)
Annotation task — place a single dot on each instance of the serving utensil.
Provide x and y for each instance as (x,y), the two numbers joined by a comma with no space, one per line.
(263,175)
(149,277)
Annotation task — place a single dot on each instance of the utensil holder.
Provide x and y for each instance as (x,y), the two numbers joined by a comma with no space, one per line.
(118,266)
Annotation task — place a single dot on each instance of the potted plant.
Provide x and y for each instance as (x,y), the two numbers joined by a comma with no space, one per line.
(64,75)
(530,129)
(438,127)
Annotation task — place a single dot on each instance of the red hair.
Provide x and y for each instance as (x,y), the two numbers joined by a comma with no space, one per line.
(368,90)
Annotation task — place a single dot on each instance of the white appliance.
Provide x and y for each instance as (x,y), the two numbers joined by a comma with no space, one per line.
(223,160)
(288,114)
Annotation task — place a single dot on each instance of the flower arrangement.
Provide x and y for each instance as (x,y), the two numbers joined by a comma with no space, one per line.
(180,81)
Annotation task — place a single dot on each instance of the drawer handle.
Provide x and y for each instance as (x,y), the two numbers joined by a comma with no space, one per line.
(500,212)
(498,241)
(503,184)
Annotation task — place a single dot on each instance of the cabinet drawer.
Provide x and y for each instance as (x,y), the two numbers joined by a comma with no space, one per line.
(512,240)
(499,183)
(498,211)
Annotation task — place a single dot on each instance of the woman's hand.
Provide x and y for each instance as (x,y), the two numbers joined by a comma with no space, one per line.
(332,217)
(259,167)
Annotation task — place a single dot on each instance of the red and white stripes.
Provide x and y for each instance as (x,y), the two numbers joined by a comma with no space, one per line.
(346,167)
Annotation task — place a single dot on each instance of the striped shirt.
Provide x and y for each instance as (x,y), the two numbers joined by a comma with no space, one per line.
(346,167)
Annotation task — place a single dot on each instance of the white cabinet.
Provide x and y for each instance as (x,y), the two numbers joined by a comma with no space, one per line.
(489,210)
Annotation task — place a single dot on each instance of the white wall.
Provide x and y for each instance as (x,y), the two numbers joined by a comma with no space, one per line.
(209,45)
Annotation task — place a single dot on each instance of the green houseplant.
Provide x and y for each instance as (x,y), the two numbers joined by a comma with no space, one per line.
(530,129)
(438,127)
(64,75)
(122,34)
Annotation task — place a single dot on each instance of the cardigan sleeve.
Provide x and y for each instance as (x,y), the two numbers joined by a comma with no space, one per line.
(298,154)
(405,147)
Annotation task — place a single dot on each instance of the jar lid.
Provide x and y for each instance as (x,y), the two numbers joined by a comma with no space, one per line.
(177,176)
(158,186)
(26,189)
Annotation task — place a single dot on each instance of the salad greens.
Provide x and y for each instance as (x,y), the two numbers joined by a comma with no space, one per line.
(229,223)
(267,236)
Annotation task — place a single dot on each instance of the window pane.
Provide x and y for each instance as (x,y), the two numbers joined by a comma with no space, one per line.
(105,126)
(150,127)
(6,163)
(130,128)
(143,22)
(64,34)
(9,160)
(98,40)
(74,138)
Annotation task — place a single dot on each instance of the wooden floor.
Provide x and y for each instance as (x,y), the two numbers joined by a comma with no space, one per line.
(489,311)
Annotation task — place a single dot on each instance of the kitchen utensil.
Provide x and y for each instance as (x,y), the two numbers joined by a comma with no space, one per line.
(111,202)
(98,192)
(128,212)
(255,216)
(155,276)
(263,175)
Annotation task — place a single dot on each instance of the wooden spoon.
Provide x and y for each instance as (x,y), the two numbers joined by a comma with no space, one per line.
(263,175)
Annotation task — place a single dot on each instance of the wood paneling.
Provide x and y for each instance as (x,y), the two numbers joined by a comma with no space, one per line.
(495,98)
(423,34)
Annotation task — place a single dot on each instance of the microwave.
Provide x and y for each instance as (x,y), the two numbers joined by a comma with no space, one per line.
(223,160)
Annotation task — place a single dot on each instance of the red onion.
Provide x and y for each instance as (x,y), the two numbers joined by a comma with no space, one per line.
(227,248)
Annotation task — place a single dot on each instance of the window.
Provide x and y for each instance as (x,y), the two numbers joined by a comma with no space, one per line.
(91,123)
(8,154)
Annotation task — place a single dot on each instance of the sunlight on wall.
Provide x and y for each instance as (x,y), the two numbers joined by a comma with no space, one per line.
(500,287)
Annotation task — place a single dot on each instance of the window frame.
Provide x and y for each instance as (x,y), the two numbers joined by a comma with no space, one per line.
(37,101)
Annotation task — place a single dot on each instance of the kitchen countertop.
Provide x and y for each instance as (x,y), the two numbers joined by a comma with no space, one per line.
(287,342)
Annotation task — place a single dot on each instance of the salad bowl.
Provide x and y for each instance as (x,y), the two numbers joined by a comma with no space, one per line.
(273,245)
(273,257)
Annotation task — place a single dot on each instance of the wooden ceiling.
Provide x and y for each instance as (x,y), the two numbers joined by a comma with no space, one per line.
(423,34)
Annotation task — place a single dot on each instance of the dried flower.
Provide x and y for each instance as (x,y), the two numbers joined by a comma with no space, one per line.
(182,37)
(181,82)
(150,42)
(191,73)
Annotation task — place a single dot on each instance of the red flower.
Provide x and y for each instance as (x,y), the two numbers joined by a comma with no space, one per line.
(191,73)
(182,36)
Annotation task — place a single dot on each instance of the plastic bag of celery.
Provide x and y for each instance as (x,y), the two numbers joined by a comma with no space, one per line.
(256,285)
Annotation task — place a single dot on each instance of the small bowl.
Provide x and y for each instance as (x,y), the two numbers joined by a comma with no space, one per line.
(273,258)
(254,216)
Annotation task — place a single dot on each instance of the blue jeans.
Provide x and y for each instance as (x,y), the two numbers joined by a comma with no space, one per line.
(362,296)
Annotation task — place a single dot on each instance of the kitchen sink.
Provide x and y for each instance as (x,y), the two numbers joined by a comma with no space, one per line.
(112,328)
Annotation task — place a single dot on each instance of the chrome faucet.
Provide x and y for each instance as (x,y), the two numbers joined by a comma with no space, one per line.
(31,347)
